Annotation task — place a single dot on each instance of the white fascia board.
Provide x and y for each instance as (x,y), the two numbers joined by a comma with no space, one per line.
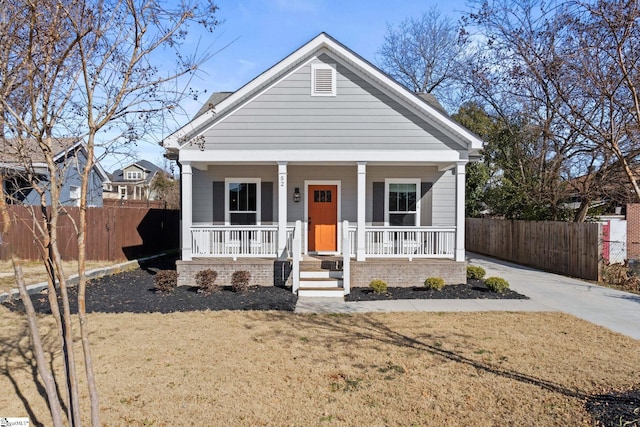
(173,140)
(329,46)
(475,143)
(320,156)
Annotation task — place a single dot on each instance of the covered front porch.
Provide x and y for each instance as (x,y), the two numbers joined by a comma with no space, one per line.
(361,212)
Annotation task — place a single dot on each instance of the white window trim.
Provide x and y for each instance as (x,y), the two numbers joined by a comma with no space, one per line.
(227,212)
(134,175)
(120,192)
(314,68)
(388,181)
(74,194)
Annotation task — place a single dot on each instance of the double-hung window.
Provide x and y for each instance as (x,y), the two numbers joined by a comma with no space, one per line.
(242,201)
(134,175)
(402,202)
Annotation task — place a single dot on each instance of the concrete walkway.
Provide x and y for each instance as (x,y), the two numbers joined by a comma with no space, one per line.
(616,310)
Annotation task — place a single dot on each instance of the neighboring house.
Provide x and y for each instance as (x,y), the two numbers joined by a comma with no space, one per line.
(133,182)
(323,162)
(70,158)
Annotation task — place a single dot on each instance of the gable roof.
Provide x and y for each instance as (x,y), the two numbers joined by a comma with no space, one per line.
(14,151)
(323,43)
(147,166)
(213,100)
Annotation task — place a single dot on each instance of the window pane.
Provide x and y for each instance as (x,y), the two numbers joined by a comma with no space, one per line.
(329,196)
(234,190)
(242,196)
(243,218)
(316,196)
(399,220)
(393,201)
(402,197)
(411,201)
(251,197)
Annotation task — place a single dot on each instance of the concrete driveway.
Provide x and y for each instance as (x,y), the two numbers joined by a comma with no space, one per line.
(616,310)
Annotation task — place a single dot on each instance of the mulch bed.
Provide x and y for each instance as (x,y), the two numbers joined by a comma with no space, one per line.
(616,408)
(473,289)
(134,292)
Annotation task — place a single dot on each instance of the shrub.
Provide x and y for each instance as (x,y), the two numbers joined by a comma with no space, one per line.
(475,272)
(205,280)
(436,283)
(496,284)
(378,286)
(166,280)
(240,280)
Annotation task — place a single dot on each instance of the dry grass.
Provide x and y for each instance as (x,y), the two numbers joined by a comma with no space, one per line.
(268,368)
(34,272)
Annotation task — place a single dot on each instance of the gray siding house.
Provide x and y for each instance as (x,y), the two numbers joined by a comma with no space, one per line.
(323,161)
(133,182)
(70,159)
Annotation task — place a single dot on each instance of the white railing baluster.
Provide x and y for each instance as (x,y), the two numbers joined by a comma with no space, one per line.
(410,242)
(234,241)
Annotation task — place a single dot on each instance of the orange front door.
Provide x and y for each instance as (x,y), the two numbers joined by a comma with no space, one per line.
(323,217)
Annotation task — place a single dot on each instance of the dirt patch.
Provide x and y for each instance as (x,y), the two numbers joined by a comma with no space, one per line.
(279,368)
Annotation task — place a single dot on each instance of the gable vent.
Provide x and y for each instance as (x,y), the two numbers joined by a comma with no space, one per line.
(324,80)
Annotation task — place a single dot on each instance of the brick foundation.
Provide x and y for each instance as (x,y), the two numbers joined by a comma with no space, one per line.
(633,231)
(269,272)
(404,273)
(264,272)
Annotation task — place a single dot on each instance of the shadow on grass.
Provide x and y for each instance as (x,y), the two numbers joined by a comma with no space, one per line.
(364,326)
(16,353)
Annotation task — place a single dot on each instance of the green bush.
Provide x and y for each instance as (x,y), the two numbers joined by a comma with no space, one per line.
(496,284)
(475,272)
(166,280)
(240,280)
(378,286)
(205,280)
(436,283)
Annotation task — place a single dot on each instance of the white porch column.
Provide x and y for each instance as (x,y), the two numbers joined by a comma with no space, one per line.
(362,206)
(460,207)
(186,209)
(282,210)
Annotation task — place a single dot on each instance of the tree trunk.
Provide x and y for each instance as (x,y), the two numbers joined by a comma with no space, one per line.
(82,281)
(41,363)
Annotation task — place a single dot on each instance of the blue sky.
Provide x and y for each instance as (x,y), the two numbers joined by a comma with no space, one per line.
(259,33)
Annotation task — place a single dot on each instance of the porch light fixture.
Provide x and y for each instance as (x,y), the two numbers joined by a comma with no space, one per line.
(296,194)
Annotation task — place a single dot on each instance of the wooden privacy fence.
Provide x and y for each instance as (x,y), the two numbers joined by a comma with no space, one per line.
(571,249)
(113,233)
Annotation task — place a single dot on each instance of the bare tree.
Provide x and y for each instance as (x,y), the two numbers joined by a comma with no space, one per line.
(424,54)
(570,68)
(83,68)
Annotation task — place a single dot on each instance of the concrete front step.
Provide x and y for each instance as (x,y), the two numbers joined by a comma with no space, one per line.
(320,282)
(320,274)
(335,292)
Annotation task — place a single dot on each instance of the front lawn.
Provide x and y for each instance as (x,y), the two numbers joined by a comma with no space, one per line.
(279,368)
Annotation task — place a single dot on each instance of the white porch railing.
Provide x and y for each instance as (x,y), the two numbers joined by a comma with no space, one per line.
(234,241)
(410,242)
(381,242)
